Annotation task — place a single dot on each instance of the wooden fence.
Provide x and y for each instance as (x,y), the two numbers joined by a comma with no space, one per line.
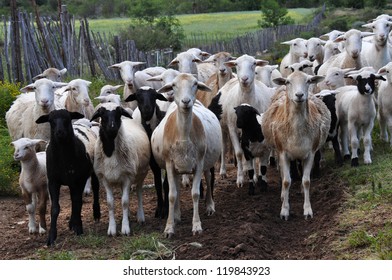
(47,43)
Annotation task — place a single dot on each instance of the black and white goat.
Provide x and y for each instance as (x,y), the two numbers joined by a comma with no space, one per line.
(68,163)
(149,115)
(356,111)
(252,143)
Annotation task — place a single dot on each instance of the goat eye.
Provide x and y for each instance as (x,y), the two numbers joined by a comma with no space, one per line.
(26,148)
(74,88)
(294,44)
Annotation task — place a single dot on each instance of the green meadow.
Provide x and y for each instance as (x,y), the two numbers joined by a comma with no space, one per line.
(228,23)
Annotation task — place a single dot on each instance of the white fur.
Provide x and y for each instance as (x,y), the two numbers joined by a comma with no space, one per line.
(298,50)
(187,155)
(128,166)
(385,103)
(37,100)
(243,89)
(75,98)
(33,180)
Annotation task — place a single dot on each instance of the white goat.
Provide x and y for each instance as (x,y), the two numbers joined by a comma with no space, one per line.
(376,53)
(385,103)
(351,56)
(316,51)
(52,74)
(109,89)
(267,73)
(244,89)
(32,180)
(356,112)
(222,75)
(187,141)
(187,63)
(298,50)
(296,125)
(75,98)
(121,158)
(127,73)
(37,100)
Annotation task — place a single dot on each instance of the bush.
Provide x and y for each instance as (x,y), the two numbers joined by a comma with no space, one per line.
(8,93)
(339,24)
(164,32)
(9,168)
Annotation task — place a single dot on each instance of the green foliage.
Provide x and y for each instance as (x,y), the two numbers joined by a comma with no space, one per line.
(9,168)
(383,243)
(359,239)
(162,33)
(48,254)
(8,93)
(356,4)
(145,10)
(273,14)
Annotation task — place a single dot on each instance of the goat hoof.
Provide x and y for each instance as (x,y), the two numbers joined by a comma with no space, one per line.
(251,190)
(263,185)
(169,234)
(308,216)
(272,162)
(347,157)
(354,162)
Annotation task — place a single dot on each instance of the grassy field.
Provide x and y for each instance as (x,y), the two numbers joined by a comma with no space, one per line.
(231,23)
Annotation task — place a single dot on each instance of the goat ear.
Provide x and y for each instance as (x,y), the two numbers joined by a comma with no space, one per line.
(260,62)
(379,77)
(59,84)
(231,63)
(125,113)
(30,87)
(42,119)
(115,66)
(279,81)
(35,142)
(76,115)
(173,62)
(166,88)
(97,114)
(39,76)
(155,78)
(131,97)
(315,79)
(203,87)
(160,97)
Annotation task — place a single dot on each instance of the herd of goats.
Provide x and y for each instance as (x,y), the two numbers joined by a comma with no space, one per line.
(181,124)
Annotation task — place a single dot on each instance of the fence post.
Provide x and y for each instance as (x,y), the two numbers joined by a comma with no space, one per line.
(16,50)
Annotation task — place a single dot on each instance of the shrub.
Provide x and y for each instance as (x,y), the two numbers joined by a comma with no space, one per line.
(8,93)
(164,32)
(9,168)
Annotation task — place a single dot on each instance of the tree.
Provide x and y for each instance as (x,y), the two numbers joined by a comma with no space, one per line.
(273,14)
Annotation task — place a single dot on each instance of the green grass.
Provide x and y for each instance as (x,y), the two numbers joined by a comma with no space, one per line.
(145,247)
(366,215)
(227,23)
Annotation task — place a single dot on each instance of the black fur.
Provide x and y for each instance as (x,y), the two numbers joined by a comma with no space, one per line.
(67,164)
(110,125)
(215,107)
(146,101)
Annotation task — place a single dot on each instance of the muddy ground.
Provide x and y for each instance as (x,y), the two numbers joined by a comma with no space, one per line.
(243,227)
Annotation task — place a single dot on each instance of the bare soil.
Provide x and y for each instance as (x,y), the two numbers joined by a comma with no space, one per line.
(243,227)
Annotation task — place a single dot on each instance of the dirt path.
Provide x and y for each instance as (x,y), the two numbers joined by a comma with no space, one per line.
(243,227)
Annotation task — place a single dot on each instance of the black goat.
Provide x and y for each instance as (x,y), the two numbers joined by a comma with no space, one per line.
(150,117)
(68,164)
